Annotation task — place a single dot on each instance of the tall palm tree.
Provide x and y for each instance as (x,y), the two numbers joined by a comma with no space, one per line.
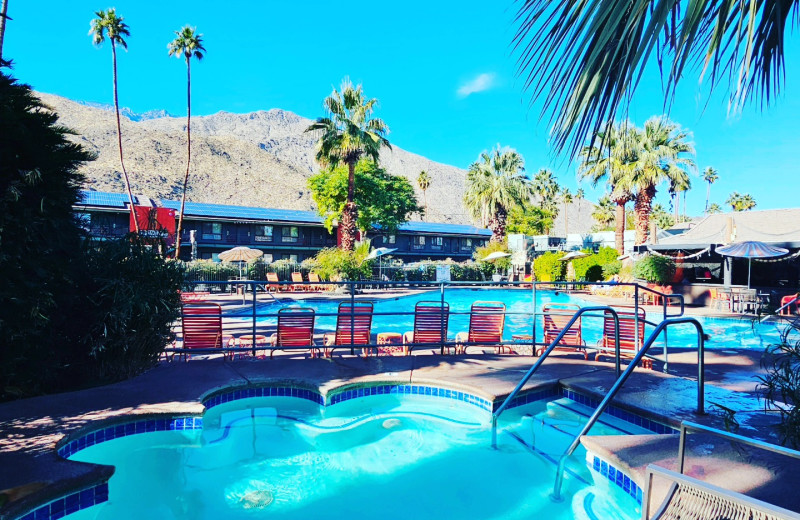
(345,136)
(109,24)
(714,208)
(566,198)
(739,202)
(187,44)
(679,183)
(424,182)
(496,183)
(664,153)
(584,60)
(603,212)
(579,196)
(611,157)
(546,187)
(710,176)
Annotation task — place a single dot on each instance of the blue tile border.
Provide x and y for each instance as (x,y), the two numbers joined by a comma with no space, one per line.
(529,397)
(615,476)
(69,504)
(264,391)
(619,413)
(406,389)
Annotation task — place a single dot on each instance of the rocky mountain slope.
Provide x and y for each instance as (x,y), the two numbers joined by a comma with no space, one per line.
(258,159)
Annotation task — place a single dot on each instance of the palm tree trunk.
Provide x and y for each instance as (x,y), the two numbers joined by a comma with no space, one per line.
(188,154)
(566,221)
(642,208)
(708,196)
(3,11)
(619,226)
(684,205)
(498,225)
(425,198)
(119,137)
(676,206)
(350,212)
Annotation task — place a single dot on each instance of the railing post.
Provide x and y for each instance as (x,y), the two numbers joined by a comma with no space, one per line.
(533,316)
(444,332)
(253,284)
(701,371)
(681,448)
(666,340)
(352,316)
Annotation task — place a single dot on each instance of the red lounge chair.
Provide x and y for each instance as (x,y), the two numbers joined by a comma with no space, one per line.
(273,286)
(317,286)
(353,327)
(430,325)
(789,299)
(201,326)
(193,297)
(297,279)
(556,317)
(295,329)
(628,336)
(486,323)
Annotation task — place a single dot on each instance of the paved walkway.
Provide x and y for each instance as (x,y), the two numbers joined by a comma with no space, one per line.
(34,473)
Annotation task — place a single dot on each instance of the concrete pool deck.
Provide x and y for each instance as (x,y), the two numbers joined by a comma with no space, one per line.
(33,473)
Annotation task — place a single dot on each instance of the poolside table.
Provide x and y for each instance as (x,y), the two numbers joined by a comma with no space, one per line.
(392,342)
(523,344)
(246,345)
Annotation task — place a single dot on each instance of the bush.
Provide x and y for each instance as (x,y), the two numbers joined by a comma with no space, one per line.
(128,304)
(611,269)
(592,267)
(780,386)
(501,264)
(336,264)
(654,269)
(549,268)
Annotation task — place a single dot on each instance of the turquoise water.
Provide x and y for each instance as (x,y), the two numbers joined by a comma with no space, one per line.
(387,457)
(723,332)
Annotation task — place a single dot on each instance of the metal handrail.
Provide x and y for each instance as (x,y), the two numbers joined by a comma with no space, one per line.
(621,381)
(547,352)
(777,312)
(738,499)
(687,426)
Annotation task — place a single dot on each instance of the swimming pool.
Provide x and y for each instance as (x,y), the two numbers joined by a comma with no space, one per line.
(386,456)
(723,332)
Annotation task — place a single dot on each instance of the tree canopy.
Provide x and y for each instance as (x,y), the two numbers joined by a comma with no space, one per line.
(385,201)
(529,219)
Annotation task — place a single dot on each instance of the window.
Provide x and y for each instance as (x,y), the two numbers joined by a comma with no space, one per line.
(267,258)
(291,258)
(437,242)
(210,256)
(466,244)
(418,242)
(263,233)
(390,239)
(290,234)
(212,231)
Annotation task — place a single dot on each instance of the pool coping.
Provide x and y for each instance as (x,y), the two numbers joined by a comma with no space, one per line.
(416,374)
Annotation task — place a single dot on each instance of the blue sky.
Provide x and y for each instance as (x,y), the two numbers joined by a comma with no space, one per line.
(444,73)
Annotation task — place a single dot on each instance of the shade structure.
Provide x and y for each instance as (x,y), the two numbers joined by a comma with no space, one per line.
(572,255)
(751,249)
(240,254)
(494,256)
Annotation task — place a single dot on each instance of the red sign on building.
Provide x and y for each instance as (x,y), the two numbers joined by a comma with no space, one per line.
(155,223)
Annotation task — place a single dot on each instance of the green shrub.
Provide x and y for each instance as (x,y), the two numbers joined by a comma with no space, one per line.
(549,268)
(592,267)
(612,268)
(336,264)
(654,269)
(501,264)
(780,385)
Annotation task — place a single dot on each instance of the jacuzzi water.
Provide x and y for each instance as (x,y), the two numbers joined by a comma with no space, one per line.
(383,457)
(723,332)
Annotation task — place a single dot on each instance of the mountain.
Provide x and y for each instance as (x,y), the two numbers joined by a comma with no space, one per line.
(262,158)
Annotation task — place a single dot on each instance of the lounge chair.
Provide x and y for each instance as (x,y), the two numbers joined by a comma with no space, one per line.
(787,311)
(194,296)
(295,329)
(486,323)
(353,327)
(298,282)
(314,279)
(630,340)
(201,326)
(430,326)
(556,317)
(273,286)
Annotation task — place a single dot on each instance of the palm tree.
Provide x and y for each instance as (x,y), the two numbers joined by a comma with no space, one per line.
(739,202)
(496,183)
(584,60)
(347,134)
(546,187)
(579,196)
(662,219)
(611,156)
(187,44)
(109,24)
(664,153)
(566,198)
(424,182)
(710,176)
(603,213)
(714,208)
(679,184)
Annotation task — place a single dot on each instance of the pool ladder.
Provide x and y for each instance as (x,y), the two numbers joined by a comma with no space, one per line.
(621,378)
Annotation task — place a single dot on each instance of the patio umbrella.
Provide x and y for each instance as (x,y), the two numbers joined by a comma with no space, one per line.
(240,254)
(569,257)
(494,256)
(378,253)
(751,249)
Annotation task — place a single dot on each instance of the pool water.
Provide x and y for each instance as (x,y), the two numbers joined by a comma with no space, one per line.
(384,456)
(723,332)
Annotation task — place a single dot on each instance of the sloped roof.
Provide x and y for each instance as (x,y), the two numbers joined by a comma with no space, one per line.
(775,226)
